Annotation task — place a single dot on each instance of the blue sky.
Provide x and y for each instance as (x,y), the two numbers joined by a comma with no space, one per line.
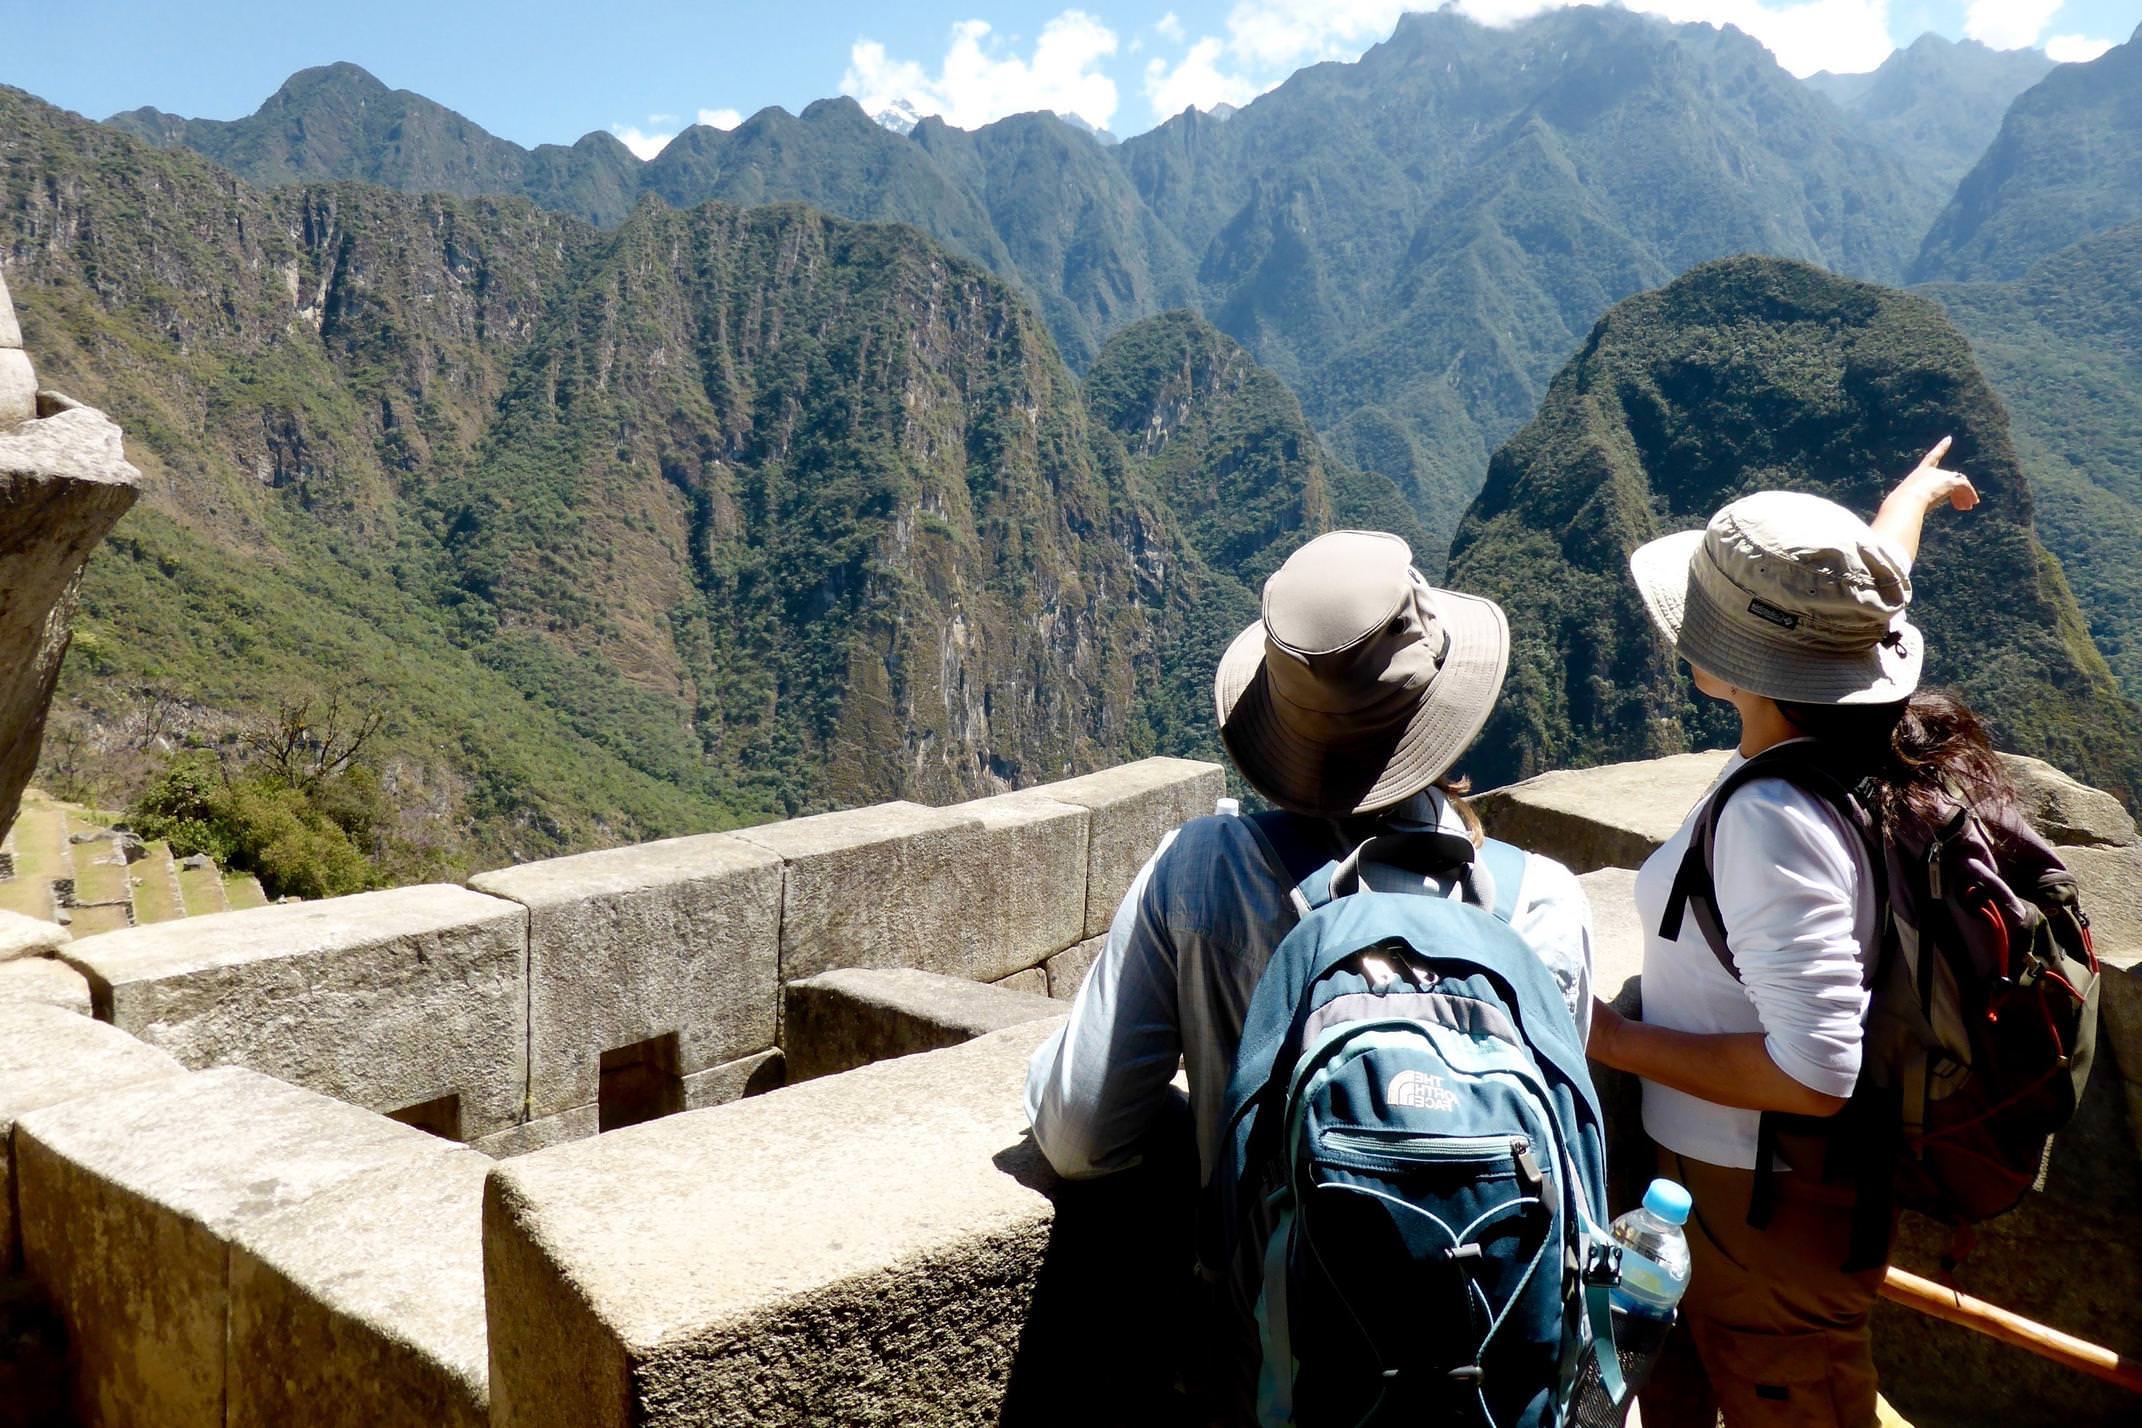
(541,71)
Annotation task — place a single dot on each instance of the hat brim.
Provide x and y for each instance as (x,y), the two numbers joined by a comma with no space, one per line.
(1362,774)
(1751,660)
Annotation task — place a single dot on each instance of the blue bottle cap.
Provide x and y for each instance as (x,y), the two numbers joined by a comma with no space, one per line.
(1668,1201)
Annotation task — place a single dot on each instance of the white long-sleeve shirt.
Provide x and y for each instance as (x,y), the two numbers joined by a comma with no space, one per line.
(1796,895)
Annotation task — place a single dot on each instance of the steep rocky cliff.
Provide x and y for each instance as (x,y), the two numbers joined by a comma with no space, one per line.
(710,516)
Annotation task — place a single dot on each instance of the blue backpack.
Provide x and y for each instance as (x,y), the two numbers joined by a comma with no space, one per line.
(1411,1191)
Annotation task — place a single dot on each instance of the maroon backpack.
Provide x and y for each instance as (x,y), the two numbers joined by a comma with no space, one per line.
(1982,1017)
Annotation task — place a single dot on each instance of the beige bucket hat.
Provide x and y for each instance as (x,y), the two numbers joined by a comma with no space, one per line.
(1362,683)
(1787,595)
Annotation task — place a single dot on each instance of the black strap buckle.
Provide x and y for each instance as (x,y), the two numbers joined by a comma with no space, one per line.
(1603,1266)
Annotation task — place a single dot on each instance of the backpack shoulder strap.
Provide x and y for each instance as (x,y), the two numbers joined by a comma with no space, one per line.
(1799,762)
(1505,866)
(1305,865)
(1300,860)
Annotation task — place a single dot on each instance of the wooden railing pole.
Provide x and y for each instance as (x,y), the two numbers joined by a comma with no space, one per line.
(1924,1295)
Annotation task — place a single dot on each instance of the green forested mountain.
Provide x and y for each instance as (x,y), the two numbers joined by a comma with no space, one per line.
(1936,103)
(1413,241)
(2067,164)
(338,122)
(1075,228)
(1753,374)
(1417,240)
(711,516)
(2063,346)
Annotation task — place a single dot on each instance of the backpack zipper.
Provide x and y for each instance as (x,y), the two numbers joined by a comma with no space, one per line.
(1428,1147)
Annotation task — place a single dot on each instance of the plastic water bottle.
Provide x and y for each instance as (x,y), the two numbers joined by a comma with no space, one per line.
(1654,1272)
(1228,807)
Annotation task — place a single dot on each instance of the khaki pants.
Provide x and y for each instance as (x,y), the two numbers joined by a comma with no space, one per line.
(1773,1332)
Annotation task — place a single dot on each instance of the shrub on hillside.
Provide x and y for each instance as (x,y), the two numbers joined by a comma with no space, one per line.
(305,840)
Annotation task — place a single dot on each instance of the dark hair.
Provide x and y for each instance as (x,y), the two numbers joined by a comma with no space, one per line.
(1916,751)
(1454,787)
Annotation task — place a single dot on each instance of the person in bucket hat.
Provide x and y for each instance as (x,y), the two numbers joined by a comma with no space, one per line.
(1345,705)
(1794,610)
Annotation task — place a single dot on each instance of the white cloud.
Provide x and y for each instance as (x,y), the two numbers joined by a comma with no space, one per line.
(1847,36)
(1169,27)
(1266,40)
(978,81)
(640,142)
(2076,49)
(2009,24)
(720,118)
(1196,79)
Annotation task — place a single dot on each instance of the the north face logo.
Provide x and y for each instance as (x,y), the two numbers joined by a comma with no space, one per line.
(1420,1090)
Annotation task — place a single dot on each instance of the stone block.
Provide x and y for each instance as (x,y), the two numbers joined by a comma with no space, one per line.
(887,886)
(10,329)
(1034,981)
(18,387)
(1034,903)
(2111,880)
(2119,1033)
(893,1259)
(362,1306)
(1614,816)
(1617,977)
(28,936)
(852,1017)
(1617,930)
(48,1055)
(539,1134)
(64,480)
(681,936)
(745,1076)
(2065,811)
(381,999)
(1067,969)
(130,1201)
(1134,806)
(47,980)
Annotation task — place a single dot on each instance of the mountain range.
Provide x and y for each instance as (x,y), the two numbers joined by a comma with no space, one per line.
(1937,103)
(1414,241)
(711,516)
(811,463)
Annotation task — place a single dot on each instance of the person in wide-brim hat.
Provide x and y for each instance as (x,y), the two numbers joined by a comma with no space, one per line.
(1362,683)
(1346,704)
(1792,609)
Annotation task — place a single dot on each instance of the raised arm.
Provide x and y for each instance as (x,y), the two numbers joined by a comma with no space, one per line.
(1903,512)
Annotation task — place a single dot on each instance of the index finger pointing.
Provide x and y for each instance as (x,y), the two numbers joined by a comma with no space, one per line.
(1941,449)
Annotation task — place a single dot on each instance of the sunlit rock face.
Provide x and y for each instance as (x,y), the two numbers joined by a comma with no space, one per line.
(63,482)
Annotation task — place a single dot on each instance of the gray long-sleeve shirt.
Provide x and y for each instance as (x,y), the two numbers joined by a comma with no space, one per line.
(1183,956)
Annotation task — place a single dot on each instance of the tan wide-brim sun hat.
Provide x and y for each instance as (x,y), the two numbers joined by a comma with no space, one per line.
(1787,595)
(1362,683)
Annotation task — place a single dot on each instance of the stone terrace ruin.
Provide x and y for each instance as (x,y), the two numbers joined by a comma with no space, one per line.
(222,1189)
(222,1186)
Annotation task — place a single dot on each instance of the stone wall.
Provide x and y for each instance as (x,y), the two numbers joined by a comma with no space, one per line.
(498,1013)
(251,1241)
(206,1190)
